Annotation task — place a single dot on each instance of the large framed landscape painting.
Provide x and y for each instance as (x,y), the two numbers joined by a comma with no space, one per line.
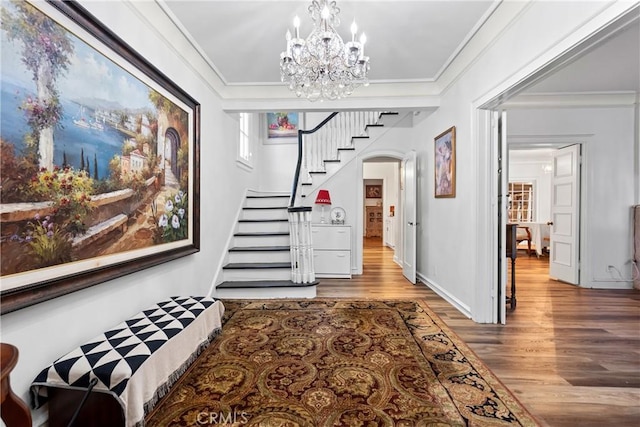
(100,156)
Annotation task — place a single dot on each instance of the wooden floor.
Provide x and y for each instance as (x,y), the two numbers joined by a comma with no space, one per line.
(570,355)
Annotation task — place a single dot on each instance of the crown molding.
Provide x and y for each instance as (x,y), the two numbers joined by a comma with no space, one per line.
(571,100)
(427,104)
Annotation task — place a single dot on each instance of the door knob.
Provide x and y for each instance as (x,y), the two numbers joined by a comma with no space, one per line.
(550,223)
(410,223)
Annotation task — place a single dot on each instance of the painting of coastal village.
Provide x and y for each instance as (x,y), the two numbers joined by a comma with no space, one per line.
(94,161)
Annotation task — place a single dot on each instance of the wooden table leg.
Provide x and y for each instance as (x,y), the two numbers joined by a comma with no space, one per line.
(513,284)
(15,412)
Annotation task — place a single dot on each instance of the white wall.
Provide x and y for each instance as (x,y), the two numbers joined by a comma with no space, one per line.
(608,146)
(276,159)
(48,330)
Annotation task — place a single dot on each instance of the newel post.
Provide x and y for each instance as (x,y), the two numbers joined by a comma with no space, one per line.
(302,269)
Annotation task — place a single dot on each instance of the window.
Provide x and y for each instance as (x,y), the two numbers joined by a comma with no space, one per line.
(244,141)
(521,202)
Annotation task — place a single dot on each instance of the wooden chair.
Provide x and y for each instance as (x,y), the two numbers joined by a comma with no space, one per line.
(524,234)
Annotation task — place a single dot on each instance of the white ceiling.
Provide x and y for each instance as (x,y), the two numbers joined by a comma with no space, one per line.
(407,41)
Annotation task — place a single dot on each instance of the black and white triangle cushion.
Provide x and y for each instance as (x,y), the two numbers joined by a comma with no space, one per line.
(115,356)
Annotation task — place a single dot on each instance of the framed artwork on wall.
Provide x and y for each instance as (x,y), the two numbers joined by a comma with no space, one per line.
(282,125)
(101,173)
(445,163)
(373,191)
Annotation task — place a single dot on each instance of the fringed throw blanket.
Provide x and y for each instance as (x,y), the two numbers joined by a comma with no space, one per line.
(139,359)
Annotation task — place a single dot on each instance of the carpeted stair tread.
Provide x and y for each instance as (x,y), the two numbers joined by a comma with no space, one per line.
(256,265)
(259,248)
(263,233)
(264,207)
(264,220)
(256,284)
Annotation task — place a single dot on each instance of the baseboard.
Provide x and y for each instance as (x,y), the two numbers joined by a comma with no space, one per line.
(431,284)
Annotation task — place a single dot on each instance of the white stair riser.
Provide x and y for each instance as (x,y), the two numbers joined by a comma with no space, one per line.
(263,227)
(236,275)
(264,214)
(259,256)
(244,241)
(267,202)
(265,293)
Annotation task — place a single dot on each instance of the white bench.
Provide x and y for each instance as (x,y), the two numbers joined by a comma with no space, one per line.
(135,364)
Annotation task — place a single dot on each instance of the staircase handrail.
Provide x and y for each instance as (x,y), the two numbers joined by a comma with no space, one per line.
(296,177)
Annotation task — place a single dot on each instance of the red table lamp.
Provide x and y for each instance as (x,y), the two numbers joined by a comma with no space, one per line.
(323,198)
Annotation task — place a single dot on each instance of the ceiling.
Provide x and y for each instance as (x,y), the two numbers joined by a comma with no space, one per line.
(407,41)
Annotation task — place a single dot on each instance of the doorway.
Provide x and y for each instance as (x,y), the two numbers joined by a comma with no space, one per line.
(533,184)
(380,201)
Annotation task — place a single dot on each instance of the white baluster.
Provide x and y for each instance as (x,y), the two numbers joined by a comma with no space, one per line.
(308,273)
(294,246)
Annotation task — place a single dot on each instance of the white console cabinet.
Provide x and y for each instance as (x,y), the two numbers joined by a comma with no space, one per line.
(331,250)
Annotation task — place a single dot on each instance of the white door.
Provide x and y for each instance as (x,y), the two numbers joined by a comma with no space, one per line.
(565,215)
(500,135)
(409,185)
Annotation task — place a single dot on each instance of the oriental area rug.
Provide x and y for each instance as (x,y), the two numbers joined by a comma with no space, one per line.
(350,363)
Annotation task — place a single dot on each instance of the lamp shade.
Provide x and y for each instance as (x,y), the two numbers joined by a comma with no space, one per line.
(323,197)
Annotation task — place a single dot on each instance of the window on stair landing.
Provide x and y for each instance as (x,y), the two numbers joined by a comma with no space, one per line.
(244,140)
(521,202)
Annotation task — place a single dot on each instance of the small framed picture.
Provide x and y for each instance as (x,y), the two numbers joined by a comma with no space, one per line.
(445,163)
(282,125)
(373,191)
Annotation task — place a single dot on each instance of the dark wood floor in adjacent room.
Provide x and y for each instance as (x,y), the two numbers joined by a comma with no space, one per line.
(571,355)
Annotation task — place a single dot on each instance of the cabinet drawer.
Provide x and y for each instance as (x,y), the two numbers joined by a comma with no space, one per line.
(331,238)
(332,262)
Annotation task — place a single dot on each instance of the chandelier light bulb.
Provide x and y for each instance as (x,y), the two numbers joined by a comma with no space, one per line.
(354,30)
(325,12)
(363,40)
(296,25)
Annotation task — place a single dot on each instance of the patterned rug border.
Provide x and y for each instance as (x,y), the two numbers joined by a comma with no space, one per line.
(508,398)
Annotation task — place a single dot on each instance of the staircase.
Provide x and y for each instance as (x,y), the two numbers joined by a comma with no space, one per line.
(271,232)
(259,259)
(336,143)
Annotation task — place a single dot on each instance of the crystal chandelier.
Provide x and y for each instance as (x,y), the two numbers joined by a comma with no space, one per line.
(323,66)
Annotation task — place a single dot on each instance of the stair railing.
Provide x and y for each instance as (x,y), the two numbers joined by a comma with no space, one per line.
(322,143)
(302,268)
(337,134)
(296,177)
